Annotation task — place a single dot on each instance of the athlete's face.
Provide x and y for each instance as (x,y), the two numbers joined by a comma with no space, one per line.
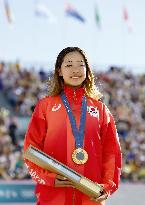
(73,69)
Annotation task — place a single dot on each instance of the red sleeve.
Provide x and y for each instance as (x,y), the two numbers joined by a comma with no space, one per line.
(35,136)
(111,153)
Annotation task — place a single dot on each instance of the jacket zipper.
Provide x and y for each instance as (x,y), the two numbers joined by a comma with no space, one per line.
(74,96)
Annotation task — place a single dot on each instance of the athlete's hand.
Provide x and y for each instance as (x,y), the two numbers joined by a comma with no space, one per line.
(101,198)
(61,181)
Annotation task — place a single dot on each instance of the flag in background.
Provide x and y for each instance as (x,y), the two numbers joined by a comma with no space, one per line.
(71,11)
(8,12)
(127,19)
(97,17)
(125,14)
(41,10)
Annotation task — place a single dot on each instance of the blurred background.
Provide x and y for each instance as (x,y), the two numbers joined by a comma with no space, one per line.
(32,33)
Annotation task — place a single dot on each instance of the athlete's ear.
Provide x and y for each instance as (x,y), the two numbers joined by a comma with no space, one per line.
(59,72)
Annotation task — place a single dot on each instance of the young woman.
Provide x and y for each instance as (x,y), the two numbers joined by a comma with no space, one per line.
(77,129)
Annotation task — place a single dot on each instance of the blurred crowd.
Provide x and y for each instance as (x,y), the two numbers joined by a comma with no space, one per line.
(11,148)
(22,87)
(123,92)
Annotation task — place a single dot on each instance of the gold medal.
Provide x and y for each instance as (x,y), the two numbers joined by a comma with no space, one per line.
(80,156)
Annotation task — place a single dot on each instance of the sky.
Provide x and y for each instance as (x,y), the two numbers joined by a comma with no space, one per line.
(33,39)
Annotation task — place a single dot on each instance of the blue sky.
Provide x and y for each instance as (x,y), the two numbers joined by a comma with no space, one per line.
(33,39)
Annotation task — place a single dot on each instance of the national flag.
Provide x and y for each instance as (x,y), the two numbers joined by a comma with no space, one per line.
(71,11)
(8,12)
(125,14)
(127,19)
(41,10)
(97,17)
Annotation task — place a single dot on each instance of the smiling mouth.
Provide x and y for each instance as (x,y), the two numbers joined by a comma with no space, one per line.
(75,77)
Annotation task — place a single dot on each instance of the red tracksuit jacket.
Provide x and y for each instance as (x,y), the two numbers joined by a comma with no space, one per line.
(50,131)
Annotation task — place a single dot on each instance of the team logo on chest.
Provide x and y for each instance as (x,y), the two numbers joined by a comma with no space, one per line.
(56,107)
(93,111)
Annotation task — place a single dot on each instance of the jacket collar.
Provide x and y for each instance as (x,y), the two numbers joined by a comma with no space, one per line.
(74,94)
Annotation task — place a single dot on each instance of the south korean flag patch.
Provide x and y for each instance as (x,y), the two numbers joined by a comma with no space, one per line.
(93,111)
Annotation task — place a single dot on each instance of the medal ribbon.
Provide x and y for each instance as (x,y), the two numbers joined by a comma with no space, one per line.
(78,133)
